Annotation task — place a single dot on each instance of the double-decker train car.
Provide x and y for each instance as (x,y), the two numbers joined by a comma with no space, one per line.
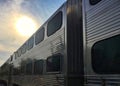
(79,45)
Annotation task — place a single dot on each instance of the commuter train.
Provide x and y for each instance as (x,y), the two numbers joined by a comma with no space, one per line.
(79,45)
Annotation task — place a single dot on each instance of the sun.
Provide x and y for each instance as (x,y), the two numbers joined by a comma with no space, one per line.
(25,26)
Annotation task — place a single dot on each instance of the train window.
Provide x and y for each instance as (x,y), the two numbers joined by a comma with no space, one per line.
(39,36)
(16,55)
(38,67)
(11,58)
(29,68)
(22,69)
(54,63)
(30,43)
(23,50)
(106,56)
(16,71)
(93,2)
(3,83)
(15,85)
(19,52)
(54,24)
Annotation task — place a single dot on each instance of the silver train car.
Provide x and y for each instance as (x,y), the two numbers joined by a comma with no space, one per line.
(79,45)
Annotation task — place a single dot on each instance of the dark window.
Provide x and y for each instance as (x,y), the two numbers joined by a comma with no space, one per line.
(29,68)
(93,2)
(15,85)
(106,56)
(54,24)
(16,71)
(23,50)
(16,55)
(54,63)
(11,58)
(19,52)
(30,43)
(3,83)
(22,69)
(38,67)
(39,36)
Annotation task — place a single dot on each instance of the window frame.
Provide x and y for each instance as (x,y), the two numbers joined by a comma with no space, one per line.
(38,34)
(23,50)
(60,13)
(30,72)
(30,43)
(35,62)
(92,49)
(61,64)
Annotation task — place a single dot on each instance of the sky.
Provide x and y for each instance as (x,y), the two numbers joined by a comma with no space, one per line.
(16,16)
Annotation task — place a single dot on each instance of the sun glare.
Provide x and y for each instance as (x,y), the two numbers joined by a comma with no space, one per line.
(25,26)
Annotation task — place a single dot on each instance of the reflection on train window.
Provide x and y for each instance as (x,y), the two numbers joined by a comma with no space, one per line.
(106,56)
(39,36)
(30,43)
(54,63)
(23,50)
(93,2)
(29,68)
(54,24)
(38,67)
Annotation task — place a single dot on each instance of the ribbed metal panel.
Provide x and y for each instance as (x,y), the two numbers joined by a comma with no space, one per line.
(102,19)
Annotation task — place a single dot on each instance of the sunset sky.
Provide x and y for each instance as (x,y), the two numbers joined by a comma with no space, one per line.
(17,16)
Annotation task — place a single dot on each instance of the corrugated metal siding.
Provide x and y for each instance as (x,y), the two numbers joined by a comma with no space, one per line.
(102,19)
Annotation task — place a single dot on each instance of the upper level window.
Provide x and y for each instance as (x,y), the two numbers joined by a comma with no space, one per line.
(93,2)
(23,50)
(54,63)
(54,24)
(16,55)
(30,43)
(38,67)
(11,58)
(39,36)
(106,56)
(19,52)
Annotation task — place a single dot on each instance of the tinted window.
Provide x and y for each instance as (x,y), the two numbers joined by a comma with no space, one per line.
(22,69)
(23,50)
(16,71)
(39,36)
(30,43)
(3,83)
(16,55)
(11,58)
(38,67)
(106,56)
(19,52)
(15,85)
(93,2)
(54,63)
(29,68)
(54,24)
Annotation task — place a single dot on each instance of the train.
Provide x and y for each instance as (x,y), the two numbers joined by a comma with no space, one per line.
(79,45)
